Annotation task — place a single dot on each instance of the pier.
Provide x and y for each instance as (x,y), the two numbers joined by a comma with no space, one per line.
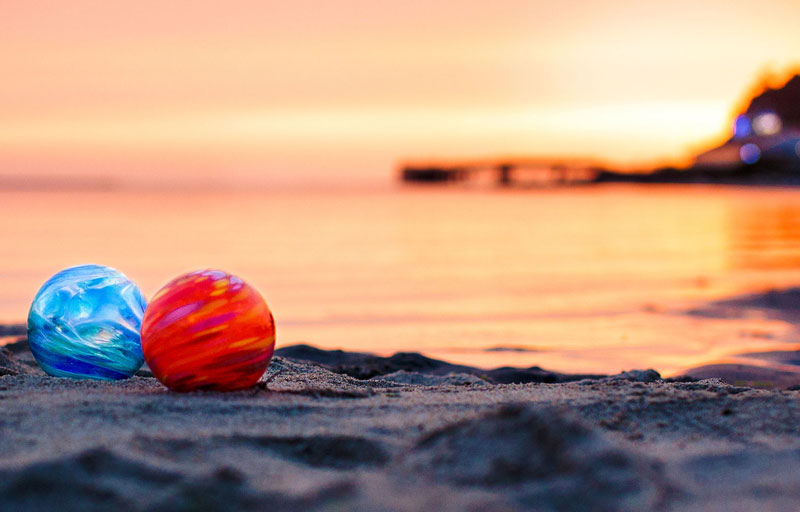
(504,173)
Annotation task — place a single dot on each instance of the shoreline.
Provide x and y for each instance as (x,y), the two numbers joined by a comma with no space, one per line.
(775,369)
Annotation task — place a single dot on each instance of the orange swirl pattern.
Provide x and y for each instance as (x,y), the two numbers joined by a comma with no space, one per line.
(208,330)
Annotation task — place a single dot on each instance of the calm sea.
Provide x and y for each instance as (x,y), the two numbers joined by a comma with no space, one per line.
(585,279)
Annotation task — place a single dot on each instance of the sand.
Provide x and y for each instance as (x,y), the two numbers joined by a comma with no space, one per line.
(310,439)
(341,431)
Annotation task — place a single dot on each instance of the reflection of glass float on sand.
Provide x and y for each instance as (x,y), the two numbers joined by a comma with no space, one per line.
(84,323)
(208,330)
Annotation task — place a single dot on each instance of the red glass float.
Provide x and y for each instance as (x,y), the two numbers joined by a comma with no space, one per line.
(208,330)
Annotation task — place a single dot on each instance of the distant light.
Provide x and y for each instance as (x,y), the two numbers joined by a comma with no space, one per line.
(767,123)
(749,153)
(741,126)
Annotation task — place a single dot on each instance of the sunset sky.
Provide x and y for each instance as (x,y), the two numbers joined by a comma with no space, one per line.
(312,91)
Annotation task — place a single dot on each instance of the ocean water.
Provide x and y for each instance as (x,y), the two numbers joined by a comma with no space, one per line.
(594,279)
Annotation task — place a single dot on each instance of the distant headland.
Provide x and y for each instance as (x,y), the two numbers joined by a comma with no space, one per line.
(763,149)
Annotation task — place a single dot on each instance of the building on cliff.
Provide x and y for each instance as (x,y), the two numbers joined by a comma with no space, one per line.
(766,135)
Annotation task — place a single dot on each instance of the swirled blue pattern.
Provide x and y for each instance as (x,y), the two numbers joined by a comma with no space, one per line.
(85,322)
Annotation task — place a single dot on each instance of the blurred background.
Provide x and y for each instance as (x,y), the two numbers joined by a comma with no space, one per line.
(265,138)
(309,92)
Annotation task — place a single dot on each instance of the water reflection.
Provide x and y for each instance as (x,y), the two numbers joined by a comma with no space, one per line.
(595,279)
(765,236)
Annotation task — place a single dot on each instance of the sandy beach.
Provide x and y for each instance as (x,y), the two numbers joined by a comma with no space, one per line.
(307,438)
(429,256)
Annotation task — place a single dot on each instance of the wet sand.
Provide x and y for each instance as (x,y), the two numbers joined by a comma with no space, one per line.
(771,369)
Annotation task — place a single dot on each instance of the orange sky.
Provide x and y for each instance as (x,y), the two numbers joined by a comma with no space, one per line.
(302,91)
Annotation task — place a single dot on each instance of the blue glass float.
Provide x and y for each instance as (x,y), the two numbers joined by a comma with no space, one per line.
(85,322)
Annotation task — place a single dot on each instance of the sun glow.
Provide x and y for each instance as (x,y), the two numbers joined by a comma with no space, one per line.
(350,88)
